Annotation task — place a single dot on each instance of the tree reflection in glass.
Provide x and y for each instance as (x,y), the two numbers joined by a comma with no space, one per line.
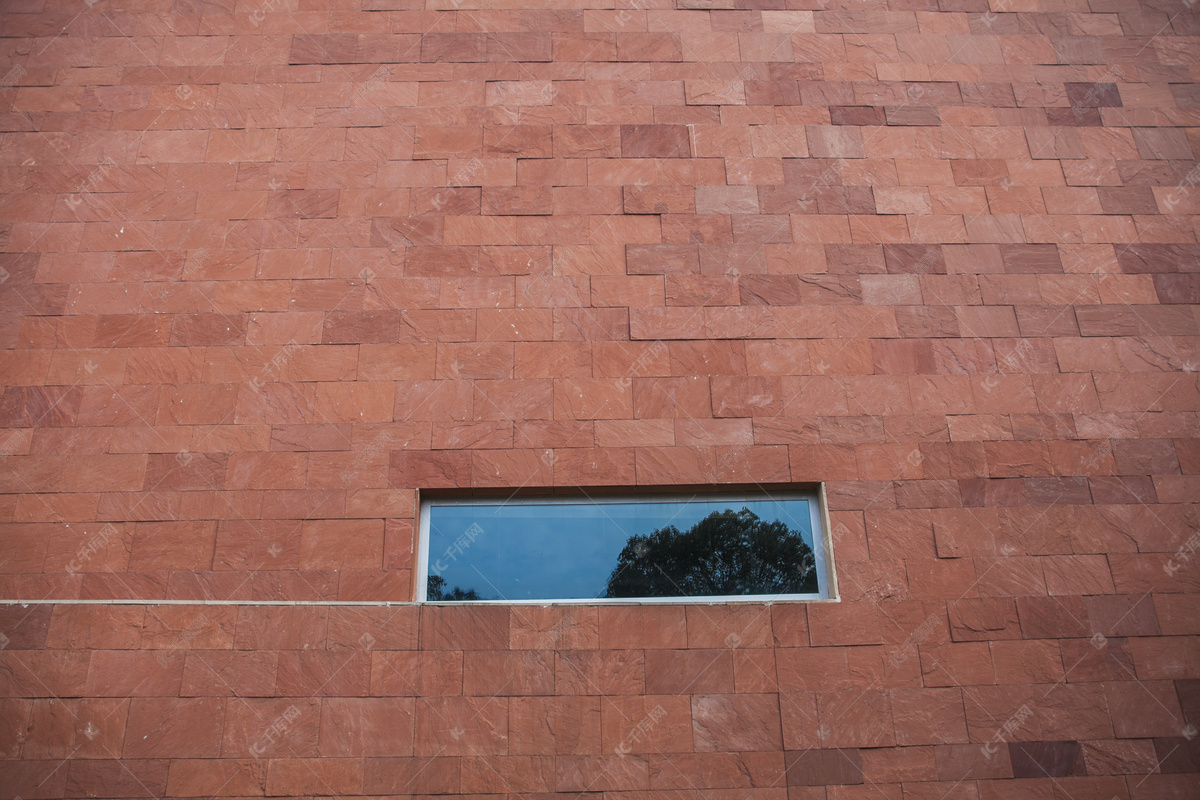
(726,553)
(553,548)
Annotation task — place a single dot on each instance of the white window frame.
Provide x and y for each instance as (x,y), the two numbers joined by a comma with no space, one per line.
(819,519)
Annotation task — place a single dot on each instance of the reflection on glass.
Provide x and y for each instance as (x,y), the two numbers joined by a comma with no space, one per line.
(579,549)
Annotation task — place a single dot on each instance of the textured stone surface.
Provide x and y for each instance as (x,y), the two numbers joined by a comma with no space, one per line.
(269,270)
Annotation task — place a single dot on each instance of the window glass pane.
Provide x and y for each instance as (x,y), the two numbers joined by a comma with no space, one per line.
(579,549)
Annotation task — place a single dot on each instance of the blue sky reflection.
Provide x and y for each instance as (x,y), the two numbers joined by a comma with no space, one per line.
(532,551)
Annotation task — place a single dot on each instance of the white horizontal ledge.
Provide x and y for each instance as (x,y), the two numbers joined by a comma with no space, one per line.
(135,602)
(397,603)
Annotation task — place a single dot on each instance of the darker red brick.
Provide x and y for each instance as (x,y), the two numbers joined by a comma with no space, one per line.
(1146,457)
(649,47)
(773,93)
(913,115)
(458,201)
(523,200)
(659,200)
(658,259)
(512,46)
(25,628)
(126,777)
(464,628)
(454,47)
(411,775)
(655,141)
(978,492)
(364,327)
(1177,288)
(1075,117)
(856,115)
(1123,490)
(1030,258)
(1122,615)
(37,407)
(824,767)
(1178,755)
(1140,258)
(689,671)
(979,172)
(1046,759)
(1127,200)
(1053,617)
(845,200)
(192,330)
(624,627)
(323,48)
(1093,95)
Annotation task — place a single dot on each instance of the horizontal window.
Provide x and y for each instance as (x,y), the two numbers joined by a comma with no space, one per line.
(618,548)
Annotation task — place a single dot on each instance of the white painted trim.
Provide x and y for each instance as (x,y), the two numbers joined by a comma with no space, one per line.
(678,601)
(139,602)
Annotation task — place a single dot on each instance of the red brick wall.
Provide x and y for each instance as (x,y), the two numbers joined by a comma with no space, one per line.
(271,267)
